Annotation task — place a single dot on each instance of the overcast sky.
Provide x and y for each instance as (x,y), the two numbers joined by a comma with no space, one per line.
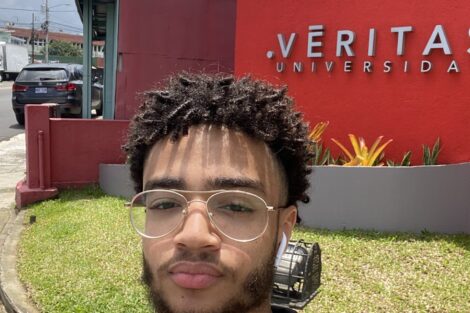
(63,14)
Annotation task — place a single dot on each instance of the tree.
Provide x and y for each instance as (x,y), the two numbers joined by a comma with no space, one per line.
(63,48)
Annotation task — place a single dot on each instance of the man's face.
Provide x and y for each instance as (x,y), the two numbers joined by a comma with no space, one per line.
(196,268)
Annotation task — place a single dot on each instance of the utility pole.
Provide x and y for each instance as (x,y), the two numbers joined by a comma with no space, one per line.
(47,32)
(32,41)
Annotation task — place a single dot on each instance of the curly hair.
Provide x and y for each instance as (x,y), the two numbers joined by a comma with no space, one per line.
(254,107)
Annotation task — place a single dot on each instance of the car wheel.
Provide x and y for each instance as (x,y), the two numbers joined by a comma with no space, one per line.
(1,77)
(20,118)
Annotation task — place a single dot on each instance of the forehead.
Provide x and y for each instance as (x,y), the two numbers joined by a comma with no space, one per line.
(213,157)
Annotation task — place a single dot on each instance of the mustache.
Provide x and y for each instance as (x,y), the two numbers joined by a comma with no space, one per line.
(195,257)
(188,256)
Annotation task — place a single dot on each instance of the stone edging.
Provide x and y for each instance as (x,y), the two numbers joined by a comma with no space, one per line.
(12,292)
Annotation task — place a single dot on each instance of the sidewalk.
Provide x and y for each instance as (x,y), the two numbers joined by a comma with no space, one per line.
(12,169)
(6,85)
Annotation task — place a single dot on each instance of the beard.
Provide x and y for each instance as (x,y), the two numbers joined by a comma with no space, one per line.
(252,293)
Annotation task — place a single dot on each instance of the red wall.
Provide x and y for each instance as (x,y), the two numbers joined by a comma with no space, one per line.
(65,152)
(70,150)
(79,146)
(157,38)
(413,108)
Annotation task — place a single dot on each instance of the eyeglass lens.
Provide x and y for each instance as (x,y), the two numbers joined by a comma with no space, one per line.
(237,214)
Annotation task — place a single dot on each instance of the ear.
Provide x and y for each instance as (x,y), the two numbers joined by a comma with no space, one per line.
(287,220)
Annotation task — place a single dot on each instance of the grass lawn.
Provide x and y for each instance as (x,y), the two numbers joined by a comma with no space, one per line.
(82,256)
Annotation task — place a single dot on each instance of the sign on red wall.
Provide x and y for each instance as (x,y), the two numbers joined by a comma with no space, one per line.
(397,68)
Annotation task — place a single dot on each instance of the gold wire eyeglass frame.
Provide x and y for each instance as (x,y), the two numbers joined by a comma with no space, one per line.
(184,211)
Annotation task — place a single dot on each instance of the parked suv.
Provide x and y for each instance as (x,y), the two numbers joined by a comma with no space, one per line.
(54,83)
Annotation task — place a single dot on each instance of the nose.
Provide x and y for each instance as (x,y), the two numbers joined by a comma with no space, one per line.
(197,232)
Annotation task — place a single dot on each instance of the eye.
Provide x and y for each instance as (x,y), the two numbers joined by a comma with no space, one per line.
(236,208)
(164,204)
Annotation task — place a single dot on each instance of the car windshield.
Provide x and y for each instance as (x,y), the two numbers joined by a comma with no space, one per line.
(36,75)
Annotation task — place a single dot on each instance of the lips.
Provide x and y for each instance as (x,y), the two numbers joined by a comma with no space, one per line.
(194,275)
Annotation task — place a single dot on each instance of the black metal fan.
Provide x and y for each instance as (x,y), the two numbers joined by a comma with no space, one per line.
(297,277)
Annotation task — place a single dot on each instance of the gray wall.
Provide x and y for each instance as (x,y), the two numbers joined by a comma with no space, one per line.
(115,180)
(412,199)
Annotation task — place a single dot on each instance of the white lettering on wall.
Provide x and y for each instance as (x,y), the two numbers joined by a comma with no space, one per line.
(298,67)
(313,32)
(367,67)
(280,67)
(314,67)
(426,66)
(371,48)
(438,40)
(329,66)
(286,49)
(401,30)
(453,67)
(343,41)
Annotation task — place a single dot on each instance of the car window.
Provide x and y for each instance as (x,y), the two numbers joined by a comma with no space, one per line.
(42,74)
(73,73)
(79,73)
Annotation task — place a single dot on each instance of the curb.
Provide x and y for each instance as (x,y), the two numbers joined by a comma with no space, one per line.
(12,292)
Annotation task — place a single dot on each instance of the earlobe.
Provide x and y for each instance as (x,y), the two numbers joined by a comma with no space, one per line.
(287,220)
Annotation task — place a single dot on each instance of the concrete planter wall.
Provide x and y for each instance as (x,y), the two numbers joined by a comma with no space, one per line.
(411,199)
(115,180)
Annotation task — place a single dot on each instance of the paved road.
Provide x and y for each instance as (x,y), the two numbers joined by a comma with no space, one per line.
(8,125)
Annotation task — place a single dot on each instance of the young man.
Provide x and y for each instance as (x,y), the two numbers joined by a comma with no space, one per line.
(219,163)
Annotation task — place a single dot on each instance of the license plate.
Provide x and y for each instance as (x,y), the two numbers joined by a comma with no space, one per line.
(41,90)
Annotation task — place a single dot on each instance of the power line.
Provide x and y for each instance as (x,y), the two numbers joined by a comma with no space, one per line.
(64,25)
(31,10)
(16,9)
(73,31)
(54,24)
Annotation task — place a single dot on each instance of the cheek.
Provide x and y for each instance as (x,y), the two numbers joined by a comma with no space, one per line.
(249,255)
(245,257)
(155,252)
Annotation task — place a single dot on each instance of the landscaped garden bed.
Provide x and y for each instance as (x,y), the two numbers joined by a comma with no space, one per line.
(361,189)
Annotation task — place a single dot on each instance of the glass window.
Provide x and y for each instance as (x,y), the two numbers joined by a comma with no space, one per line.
(42,74)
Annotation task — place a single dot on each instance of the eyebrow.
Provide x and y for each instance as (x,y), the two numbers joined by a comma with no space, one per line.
(235,182)
(214,183)
(165,183)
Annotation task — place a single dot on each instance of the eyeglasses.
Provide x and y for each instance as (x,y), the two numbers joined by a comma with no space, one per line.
(239,215)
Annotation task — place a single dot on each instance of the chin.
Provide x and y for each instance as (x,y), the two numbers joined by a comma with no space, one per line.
(193,305)
(203,297)
(188,300)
